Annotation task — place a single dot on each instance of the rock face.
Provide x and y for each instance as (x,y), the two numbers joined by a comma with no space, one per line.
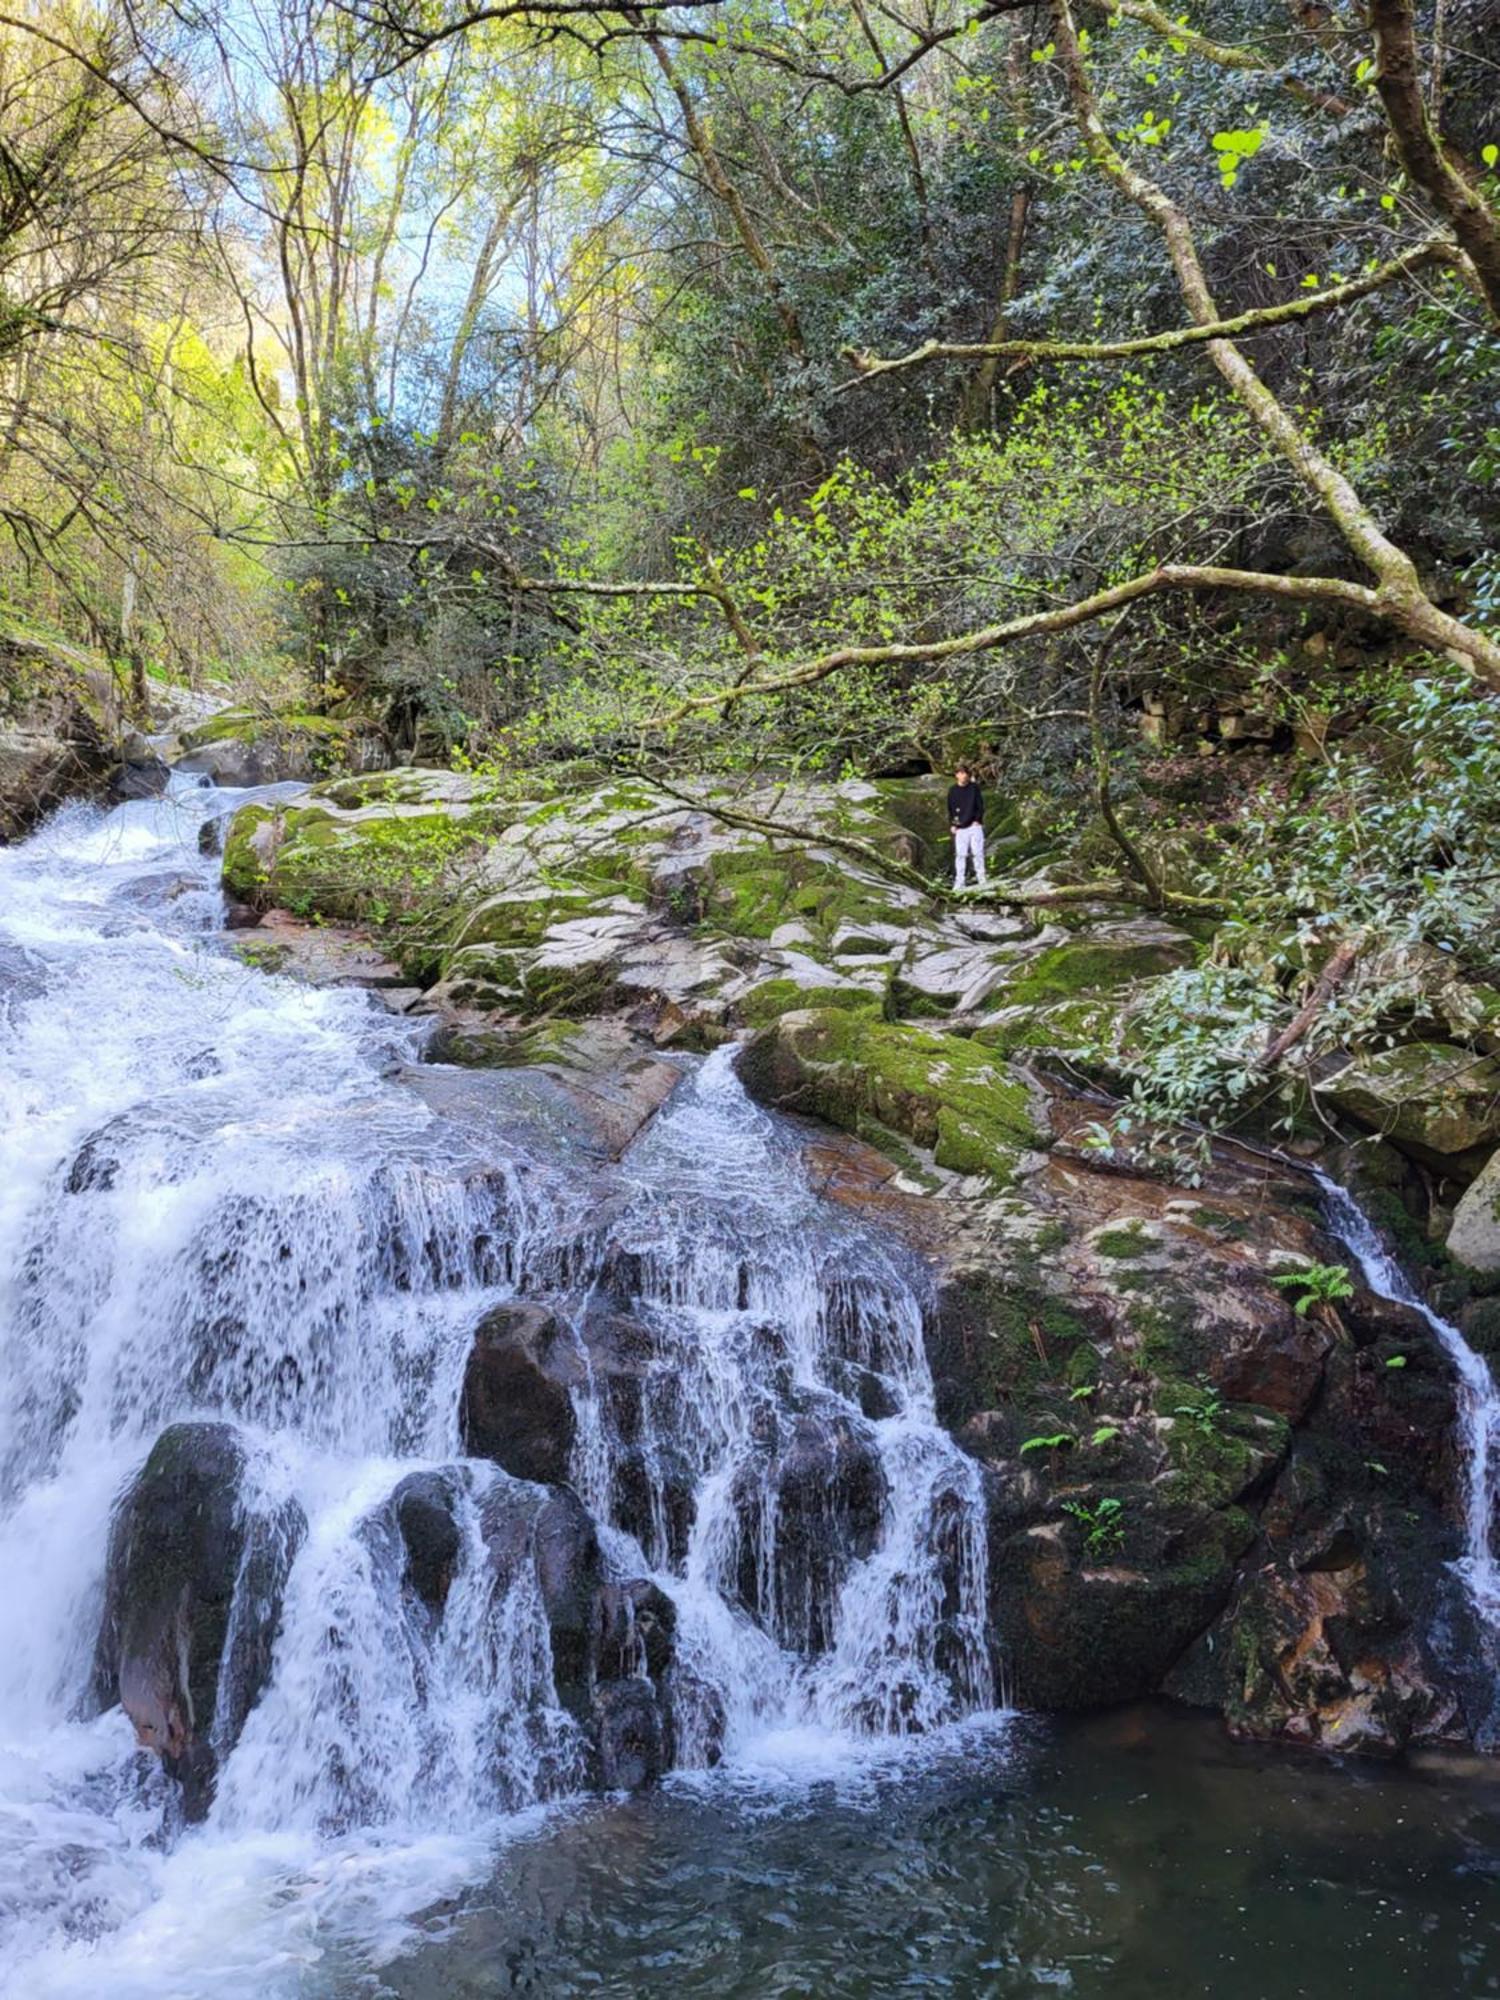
(59,718)
(891,1082)
(192,1597)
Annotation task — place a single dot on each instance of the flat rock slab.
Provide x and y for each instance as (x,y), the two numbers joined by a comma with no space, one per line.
(318,954)
(591,1081)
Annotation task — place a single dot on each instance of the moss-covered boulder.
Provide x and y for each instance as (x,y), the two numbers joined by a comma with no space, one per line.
(891,1082)
(1432,1099)
(242,747)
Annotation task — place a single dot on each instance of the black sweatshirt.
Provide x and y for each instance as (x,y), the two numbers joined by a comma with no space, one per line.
(965,804)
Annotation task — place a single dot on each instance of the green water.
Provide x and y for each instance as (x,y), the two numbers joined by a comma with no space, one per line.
(1139,1855)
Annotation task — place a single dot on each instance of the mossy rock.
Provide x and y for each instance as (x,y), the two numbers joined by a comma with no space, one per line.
(873,1077)
(997,1342)
(1085,967)
(772,998)
(1438,1102)
(242,725)
(1075,1026)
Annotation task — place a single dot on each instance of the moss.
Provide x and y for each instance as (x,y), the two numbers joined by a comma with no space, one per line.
(1167,1337)
(1090,966)
(572,990)
(243,870)
(999,1344)
(749,900)
(1068,1024)
(1232,1228)
(1480,1323)
(772,998)
(1212,1466)
(245,725)
(367,869)
(943,1093)
(1124,1243)
(1052,1235)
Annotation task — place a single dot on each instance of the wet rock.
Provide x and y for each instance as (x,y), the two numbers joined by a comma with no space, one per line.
(811,1504)
(516,1407)
(653,1496)
(637,1630)
(139,778)
(211,837)
(194,1577)
(422,1506)
(550,1532)
(617,1084)
(632,1735)
(1079,1631)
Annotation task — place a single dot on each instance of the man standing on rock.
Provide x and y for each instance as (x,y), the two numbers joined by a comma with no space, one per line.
(966,817)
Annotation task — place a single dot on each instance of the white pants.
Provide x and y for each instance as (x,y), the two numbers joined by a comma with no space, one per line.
(968,843)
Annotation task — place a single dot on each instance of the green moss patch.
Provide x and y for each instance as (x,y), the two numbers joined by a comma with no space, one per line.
(870,1076)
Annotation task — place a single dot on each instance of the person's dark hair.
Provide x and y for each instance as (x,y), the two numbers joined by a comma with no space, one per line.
(962,771)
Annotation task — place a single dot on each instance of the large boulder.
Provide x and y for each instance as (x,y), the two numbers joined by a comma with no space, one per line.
(194,1579)
(517,1406)
(1474,1238)
(616,1083)
(1438,1102)
(241,748)
(890,1083)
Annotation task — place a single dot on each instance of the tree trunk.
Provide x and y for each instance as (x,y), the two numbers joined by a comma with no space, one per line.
(1398,80)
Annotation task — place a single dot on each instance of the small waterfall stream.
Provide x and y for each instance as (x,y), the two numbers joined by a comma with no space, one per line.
(1478,1398)
(227,1216)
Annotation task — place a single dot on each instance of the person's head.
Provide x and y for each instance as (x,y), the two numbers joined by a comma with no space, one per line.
(961,775)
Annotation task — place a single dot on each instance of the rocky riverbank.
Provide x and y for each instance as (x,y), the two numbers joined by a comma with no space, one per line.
(1202,1476)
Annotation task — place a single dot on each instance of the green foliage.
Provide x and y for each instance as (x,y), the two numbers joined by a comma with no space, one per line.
(1315,1285)
(1055,1441)
(1205,1412)
(1102,1522)
(1391,842)
(1090,483)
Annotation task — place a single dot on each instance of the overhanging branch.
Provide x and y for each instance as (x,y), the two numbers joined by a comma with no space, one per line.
(1438,248)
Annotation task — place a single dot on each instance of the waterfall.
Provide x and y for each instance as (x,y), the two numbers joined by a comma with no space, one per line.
(242,1258)
(1478,1399)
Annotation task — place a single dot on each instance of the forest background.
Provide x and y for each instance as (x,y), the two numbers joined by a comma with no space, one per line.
(777,391)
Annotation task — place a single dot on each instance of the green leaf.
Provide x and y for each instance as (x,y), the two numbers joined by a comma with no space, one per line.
(1056,1442)
(1396,1361)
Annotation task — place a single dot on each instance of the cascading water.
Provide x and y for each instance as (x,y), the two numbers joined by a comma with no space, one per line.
(238,1249)
(1478,1401)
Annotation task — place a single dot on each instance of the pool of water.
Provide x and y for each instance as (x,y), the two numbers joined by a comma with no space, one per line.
(1138,1855)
